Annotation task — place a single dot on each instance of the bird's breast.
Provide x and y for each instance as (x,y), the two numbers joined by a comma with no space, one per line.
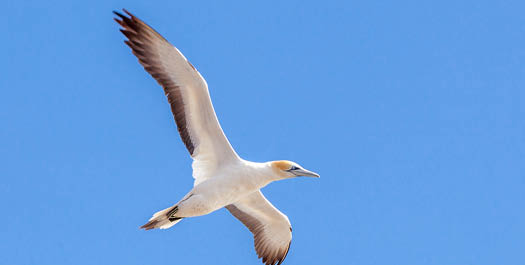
(227,189)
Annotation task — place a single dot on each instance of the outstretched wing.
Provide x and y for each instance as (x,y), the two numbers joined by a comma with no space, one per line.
(271,229)
(187,93)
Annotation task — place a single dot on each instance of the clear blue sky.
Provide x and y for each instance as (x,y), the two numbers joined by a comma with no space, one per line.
(411,111)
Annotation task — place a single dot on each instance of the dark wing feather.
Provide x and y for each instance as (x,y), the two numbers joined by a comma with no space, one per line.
(142,40)
(187,93)
(271,229)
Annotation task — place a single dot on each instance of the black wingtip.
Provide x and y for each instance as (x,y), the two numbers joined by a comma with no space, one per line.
(122,15)
(127,12)
(118,13)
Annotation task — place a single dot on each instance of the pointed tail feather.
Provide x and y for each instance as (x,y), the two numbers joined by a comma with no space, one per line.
(163,219)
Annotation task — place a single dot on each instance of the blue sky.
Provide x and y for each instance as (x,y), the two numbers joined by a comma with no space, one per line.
(411,111)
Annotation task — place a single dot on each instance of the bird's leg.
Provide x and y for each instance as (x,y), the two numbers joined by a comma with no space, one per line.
(171,214)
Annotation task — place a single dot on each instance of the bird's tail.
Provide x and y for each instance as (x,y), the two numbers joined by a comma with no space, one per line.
(163,219)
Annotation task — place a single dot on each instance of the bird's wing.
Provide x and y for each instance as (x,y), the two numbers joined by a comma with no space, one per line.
(272,232)
(187,93)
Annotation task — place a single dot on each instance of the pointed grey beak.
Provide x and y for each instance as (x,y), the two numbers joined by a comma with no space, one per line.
(305,173)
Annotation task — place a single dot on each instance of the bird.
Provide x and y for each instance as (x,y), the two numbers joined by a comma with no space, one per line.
(221,177)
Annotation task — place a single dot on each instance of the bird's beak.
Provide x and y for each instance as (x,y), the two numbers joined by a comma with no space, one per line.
(305,173)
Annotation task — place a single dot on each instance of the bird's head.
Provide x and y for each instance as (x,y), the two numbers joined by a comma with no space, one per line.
(289,169)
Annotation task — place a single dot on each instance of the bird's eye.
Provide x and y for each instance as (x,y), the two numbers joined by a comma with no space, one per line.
(293,168)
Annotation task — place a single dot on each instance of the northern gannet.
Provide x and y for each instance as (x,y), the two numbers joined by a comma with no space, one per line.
(222,178)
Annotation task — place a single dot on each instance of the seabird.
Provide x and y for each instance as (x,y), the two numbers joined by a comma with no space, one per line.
(222,178)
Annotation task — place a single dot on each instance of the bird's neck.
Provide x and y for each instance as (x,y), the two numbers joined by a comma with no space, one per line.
(263,173)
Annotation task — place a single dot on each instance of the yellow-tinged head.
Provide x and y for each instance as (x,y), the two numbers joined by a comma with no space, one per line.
(289,169)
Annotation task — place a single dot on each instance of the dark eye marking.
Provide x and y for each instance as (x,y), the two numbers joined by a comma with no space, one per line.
(293,168)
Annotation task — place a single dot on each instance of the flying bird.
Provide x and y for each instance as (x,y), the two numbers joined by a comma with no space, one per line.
(222,178)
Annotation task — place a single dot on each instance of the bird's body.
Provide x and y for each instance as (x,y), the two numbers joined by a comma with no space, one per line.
(226,187)
(222,178)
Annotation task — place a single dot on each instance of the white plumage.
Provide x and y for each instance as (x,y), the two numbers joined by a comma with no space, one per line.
(222,178)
